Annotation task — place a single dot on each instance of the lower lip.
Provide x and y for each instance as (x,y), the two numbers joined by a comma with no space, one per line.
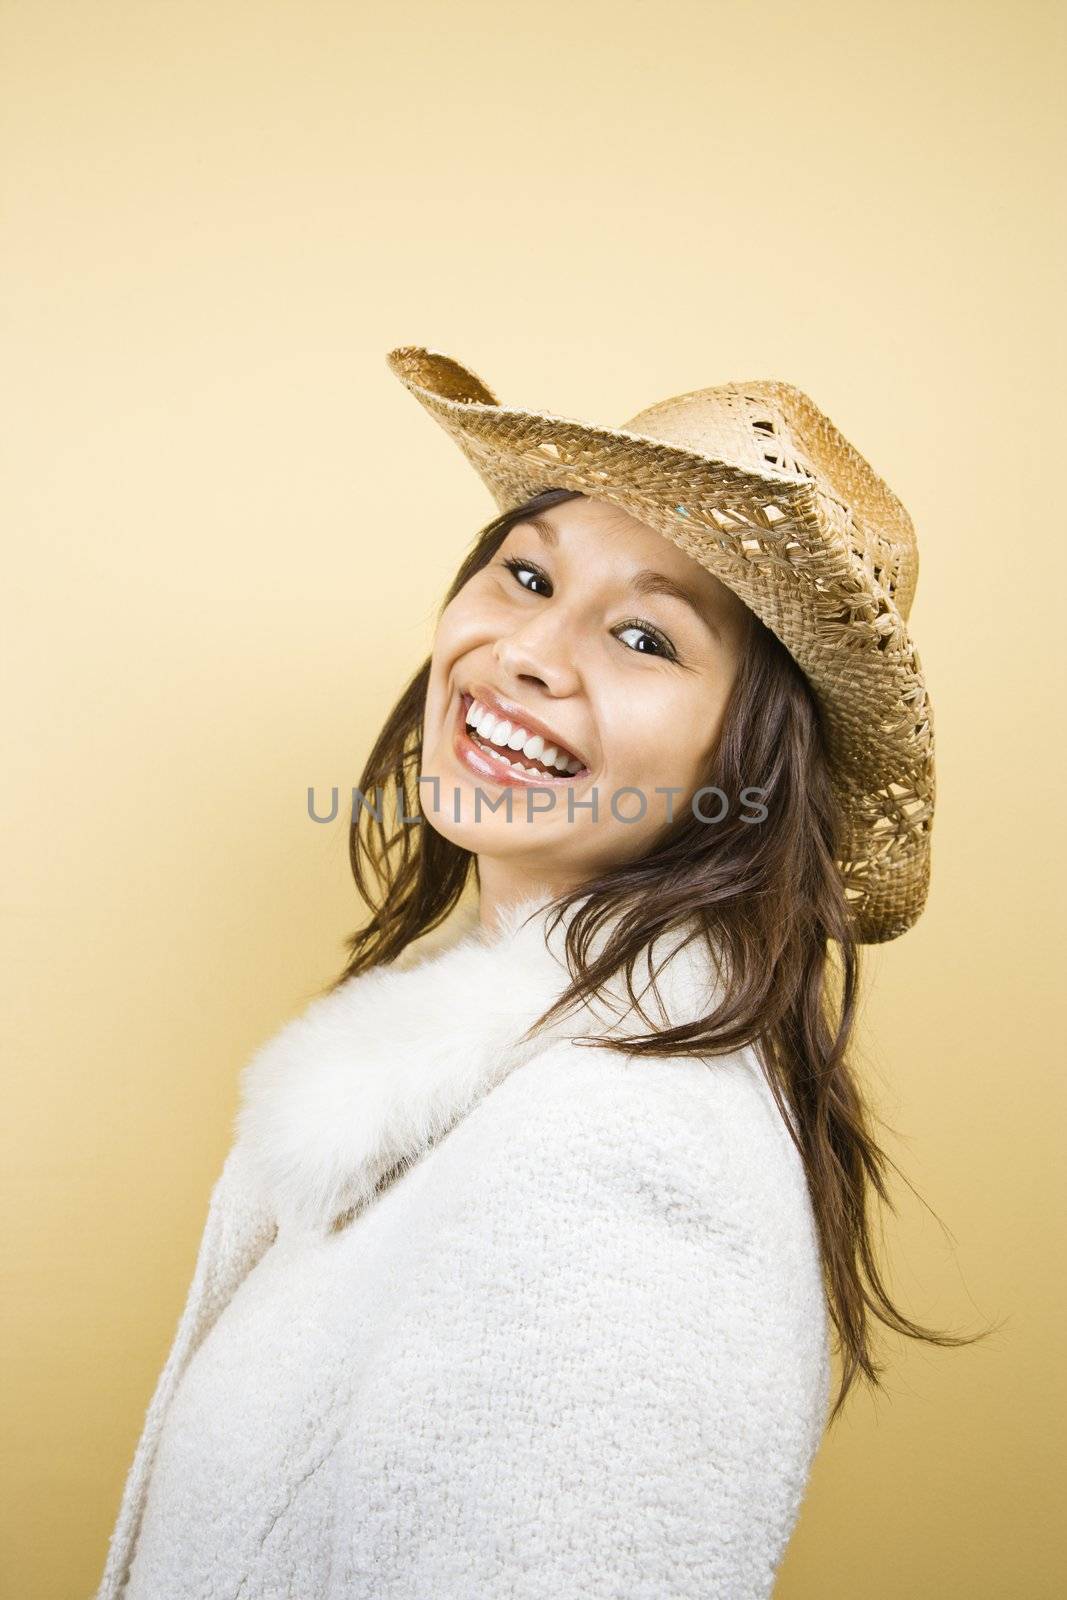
(484,763)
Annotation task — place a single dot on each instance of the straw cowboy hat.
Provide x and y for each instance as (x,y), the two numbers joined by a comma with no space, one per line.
(756,483)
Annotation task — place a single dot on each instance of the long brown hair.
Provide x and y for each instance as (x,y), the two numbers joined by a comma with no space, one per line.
(769,898)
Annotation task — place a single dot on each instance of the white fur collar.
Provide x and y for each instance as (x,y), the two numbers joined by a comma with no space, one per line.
(367,1077)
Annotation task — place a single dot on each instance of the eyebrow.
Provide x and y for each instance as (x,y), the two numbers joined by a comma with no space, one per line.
(646,582)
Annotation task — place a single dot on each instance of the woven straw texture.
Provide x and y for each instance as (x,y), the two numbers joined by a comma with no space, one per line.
(756,483)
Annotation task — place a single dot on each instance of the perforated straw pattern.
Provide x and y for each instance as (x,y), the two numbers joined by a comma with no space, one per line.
(757,484)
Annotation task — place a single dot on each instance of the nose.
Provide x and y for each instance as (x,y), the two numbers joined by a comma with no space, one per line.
(538,652)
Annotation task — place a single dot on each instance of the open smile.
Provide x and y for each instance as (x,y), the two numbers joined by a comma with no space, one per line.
(503,751)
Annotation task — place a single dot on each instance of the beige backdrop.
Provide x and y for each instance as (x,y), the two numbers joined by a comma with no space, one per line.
(218,218)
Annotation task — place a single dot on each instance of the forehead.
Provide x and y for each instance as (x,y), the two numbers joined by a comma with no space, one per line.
(590,516)
(606,538)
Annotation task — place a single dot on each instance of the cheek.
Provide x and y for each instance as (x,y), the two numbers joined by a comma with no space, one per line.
(464,628)
(639,747)
(464,624)
(662,740)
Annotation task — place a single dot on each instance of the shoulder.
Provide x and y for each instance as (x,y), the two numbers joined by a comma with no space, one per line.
(681,1154)
(714,1119)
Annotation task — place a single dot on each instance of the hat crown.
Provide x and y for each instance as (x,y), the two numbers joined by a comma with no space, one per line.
(772,429)
(747,416)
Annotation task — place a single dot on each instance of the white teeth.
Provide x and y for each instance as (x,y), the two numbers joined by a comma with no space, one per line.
(512,736)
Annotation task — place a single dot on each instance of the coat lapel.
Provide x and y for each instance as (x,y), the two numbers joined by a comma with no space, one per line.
(367,1078)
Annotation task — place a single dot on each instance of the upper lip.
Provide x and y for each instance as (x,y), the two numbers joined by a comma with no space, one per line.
(519,717)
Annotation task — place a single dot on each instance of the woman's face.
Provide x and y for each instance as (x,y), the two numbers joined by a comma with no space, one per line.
(572,644)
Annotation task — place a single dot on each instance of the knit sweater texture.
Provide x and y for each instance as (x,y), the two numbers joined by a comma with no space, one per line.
(478,1318)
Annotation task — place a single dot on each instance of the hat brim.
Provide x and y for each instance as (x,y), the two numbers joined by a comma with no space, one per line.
(779,541)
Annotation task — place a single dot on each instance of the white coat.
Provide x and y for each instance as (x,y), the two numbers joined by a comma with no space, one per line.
(475,1320)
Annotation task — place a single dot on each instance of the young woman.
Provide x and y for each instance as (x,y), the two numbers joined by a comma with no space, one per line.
(519,1278)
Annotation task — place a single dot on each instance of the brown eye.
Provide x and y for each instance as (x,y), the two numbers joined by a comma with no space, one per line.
(517,566)
(656,643)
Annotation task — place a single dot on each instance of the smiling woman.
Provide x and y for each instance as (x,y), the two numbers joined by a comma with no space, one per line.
(519,1279)
(545,638)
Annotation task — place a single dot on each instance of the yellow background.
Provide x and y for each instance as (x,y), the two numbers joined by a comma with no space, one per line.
(227,527)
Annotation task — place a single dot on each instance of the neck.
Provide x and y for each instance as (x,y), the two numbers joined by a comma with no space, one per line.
(503,885)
